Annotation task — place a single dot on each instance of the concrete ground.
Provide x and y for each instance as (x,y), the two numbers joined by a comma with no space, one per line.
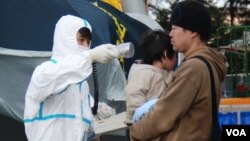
(12,130)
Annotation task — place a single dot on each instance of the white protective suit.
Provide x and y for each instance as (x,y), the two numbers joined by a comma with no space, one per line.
(57,102)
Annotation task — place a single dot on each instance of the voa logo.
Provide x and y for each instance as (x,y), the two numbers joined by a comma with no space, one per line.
(236,132)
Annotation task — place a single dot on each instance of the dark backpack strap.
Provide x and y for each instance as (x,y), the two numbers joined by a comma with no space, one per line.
(216,131)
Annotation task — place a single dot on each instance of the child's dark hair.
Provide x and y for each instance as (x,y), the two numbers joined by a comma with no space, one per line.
(85,33)
(153,45)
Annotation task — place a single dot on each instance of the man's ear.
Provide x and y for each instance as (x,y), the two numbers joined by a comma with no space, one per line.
(193,34)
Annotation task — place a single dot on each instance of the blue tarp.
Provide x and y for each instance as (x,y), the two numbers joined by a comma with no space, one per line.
(245,118)
(228,118)
(26,38)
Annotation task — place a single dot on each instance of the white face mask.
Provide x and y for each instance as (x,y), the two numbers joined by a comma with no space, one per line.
(81,48)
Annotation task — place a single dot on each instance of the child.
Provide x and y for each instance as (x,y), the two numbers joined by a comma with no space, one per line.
(148,80)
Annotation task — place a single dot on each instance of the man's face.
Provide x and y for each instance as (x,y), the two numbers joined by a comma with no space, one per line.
(180,38)
(82,41)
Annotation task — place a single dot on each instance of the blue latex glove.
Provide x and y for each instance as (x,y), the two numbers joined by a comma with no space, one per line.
(142,110)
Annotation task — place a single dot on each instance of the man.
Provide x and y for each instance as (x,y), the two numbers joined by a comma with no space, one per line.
(57,102)
(184,112)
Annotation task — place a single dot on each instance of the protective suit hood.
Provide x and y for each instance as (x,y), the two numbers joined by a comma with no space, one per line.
(66,29)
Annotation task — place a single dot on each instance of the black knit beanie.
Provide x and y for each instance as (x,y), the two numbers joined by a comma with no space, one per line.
(194,16)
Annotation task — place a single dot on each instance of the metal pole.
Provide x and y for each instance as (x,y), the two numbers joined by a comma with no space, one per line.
(134,6)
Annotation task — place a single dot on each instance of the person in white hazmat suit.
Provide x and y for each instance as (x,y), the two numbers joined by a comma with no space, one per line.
(57,102)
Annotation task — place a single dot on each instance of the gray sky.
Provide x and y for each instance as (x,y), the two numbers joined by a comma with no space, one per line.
(164,4)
